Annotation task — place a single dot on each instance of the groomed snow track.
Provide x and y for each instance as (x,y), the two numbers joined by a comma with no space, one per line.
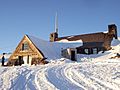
(63,76)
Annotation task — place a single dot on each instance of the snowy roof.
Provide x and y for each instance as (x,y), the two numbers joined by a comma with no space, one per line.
(52,50)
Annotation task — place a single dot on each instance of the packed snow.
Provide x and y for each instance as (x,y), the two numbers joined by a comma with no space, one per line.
(66,41)
(90,72)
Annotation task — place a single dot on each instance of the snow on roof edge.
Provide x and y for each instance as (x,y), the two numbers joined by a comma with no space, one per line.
(51,50)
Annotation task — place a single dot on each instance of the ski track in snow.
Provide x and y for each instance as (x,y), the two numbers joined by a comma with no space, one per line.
(68,76)
(56,76)
(76,77)
(24,80)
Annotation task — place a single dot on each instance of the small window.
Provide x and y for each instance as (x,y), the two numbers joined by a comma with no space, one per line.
(95,51)
(86,51)
(25,46)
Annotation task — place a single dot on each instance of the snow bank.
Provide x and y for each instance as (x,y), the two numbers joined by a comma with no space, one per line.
(115,42)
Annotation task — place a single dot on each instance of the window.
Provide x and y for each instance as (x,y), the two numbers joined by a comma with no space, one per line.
(25,46)
(86,51)
(95,51)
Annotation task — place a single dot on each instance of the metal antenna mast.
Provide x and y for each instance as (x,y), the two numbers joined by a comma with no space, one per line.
(56,23)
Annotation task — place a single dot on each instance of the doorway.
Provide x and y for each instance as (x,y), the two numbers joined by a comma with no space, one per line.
(20,60)
(73,56)
(27,60)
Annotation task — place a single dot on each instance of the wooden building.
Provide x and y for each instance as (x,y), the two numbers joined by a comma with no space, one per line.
(32,50)
(26,53)
(93,42)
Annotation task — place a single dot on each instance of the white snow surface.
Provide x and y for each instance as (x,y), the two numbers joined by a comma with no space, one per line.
(52,50)
(91,72)
(62,76)
(66,41)
(115,42)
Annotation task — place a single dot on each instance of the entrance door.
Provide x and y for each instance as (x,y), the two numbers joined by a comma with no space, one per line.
(20,60)
(73,55)
(27,60)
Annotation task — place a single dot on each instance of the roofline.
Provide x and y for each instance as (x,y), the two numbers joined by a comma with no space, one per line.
(35,45)
(80,35)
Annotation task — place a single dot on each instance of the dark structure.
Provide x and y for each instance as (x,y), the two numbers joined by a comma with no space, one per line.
(3,59)
(53,36)
(93,42)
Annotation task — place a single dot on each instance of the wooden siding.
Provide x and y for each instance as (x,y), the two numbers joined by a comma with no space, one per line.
(100,40)
(32,51)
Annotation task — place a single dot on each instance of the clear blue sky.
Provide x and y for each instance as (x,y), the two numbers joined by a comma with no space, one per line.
(36,17)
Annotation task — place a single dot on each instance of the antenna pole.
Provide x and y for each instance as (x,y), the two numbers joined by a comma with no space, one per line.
(56,23)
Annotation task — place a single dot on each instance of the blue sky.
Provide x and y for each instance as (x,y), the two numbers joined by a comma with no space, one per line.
(36,17)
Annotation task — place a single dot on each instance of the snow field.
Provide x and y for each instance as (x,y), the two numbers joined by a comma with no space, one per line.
(62,76)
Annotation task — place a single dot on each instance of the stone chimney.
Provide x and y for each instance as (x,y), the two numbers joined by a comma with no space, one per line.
(53,36)
(112,30)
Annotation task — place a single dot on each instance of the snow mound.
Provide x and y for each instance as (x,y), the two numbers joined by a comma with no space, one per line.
(115,42)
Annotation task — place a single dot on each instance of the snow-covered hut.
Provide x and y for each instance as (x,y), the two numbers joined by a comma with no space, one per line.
(32,50)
